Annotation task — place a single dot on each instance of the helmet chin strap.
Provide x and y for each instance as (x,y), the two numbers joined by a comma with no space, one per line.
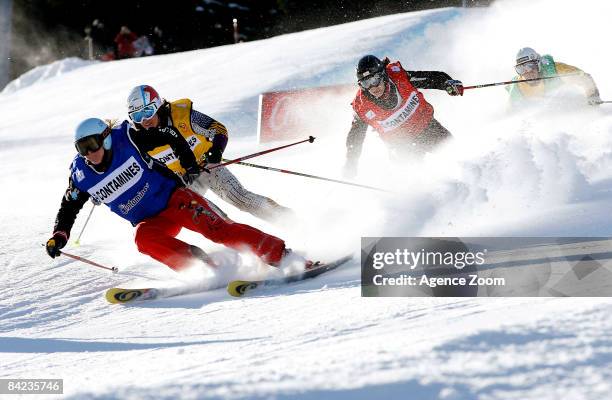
(106,160)
(387,91)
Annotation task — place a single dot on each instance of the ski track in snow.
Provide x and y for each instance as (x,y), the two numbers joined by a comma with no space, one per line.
(545,171)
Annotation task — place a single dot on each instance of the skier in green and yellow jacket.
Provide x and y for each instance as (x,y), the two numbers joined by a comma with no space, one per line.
(530,65)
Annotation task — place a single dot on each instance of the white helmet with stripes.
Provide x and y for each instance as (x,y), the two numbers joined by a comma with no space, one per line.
(527,59)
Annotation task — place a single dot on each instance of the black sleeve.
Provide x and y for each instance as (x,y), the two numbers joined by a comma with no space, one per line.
(214,131)
(355,138)
(72,202)
(215,153)
(428,79)
(147,140)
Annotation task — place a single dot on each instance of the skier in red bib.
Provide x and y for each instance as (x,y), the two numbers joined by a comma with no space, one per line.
(389,100)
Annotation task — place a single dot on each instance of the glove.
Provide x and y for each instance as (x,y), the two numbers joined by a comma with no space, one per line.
(209,165)
(594,99)
(191,174)
(56,243)
(350,169)
(214,155)
(454,87)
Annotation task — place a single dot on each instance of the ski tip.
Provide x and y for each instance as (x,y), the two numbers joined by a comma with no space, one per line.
(334,264)
(120,295)
(344,259)
(240,288)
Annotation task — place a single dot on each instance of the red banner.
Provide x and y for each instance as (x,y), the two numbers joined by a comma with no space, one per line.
(294,114)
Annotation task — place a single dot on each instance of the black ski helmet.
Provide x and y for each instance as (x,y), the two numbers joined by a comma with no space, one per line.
(369,65)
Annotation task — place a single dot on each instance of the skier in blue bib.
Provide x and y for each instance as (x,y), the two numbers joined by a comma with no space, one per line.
(113,168)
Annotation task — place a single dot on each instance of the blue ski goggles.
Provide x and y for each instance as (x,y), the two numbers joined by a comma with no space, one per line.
(371,81)
(147,112)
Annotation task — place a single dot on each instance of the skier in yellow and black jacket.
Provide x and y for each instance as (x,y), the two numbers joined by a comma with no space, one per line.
(207,139)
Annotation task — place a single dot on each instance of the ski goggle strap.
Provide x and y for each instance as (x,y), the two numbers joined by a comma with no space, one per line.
(371,81)
(147,112)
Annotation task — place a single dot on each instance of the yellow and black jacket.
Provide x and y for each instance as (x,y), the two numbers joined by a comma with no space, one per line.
(206,137)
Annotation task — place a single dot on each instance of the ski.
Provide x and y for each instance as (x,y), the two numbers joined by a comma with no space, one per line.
(239,288)
(121,296)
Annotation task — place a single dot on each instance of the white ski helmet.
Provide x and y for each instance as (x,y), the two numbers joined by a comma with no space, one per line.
(143,103)
(527,54)
(98,133)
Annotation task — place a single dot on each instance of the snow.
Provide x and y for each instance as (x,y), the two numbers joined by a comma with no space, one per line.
(545,171)
(44,72)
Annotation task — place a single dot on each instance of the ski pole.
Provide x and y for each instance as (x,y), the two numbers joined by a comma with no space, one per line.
(309,140)
(604,102)
(520,81)
(86,261)
(77,241)
(284,171)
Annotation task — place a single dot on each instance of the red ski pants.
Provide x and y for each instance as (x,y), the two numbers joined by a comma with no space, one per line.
(156,236)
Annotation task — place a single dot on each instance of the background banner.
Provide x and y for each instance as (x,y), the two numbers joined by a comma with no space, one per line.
(294,114)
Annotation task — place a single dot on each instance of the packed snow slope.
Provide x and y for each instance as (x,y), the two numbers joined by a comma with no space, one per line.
(542,171)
